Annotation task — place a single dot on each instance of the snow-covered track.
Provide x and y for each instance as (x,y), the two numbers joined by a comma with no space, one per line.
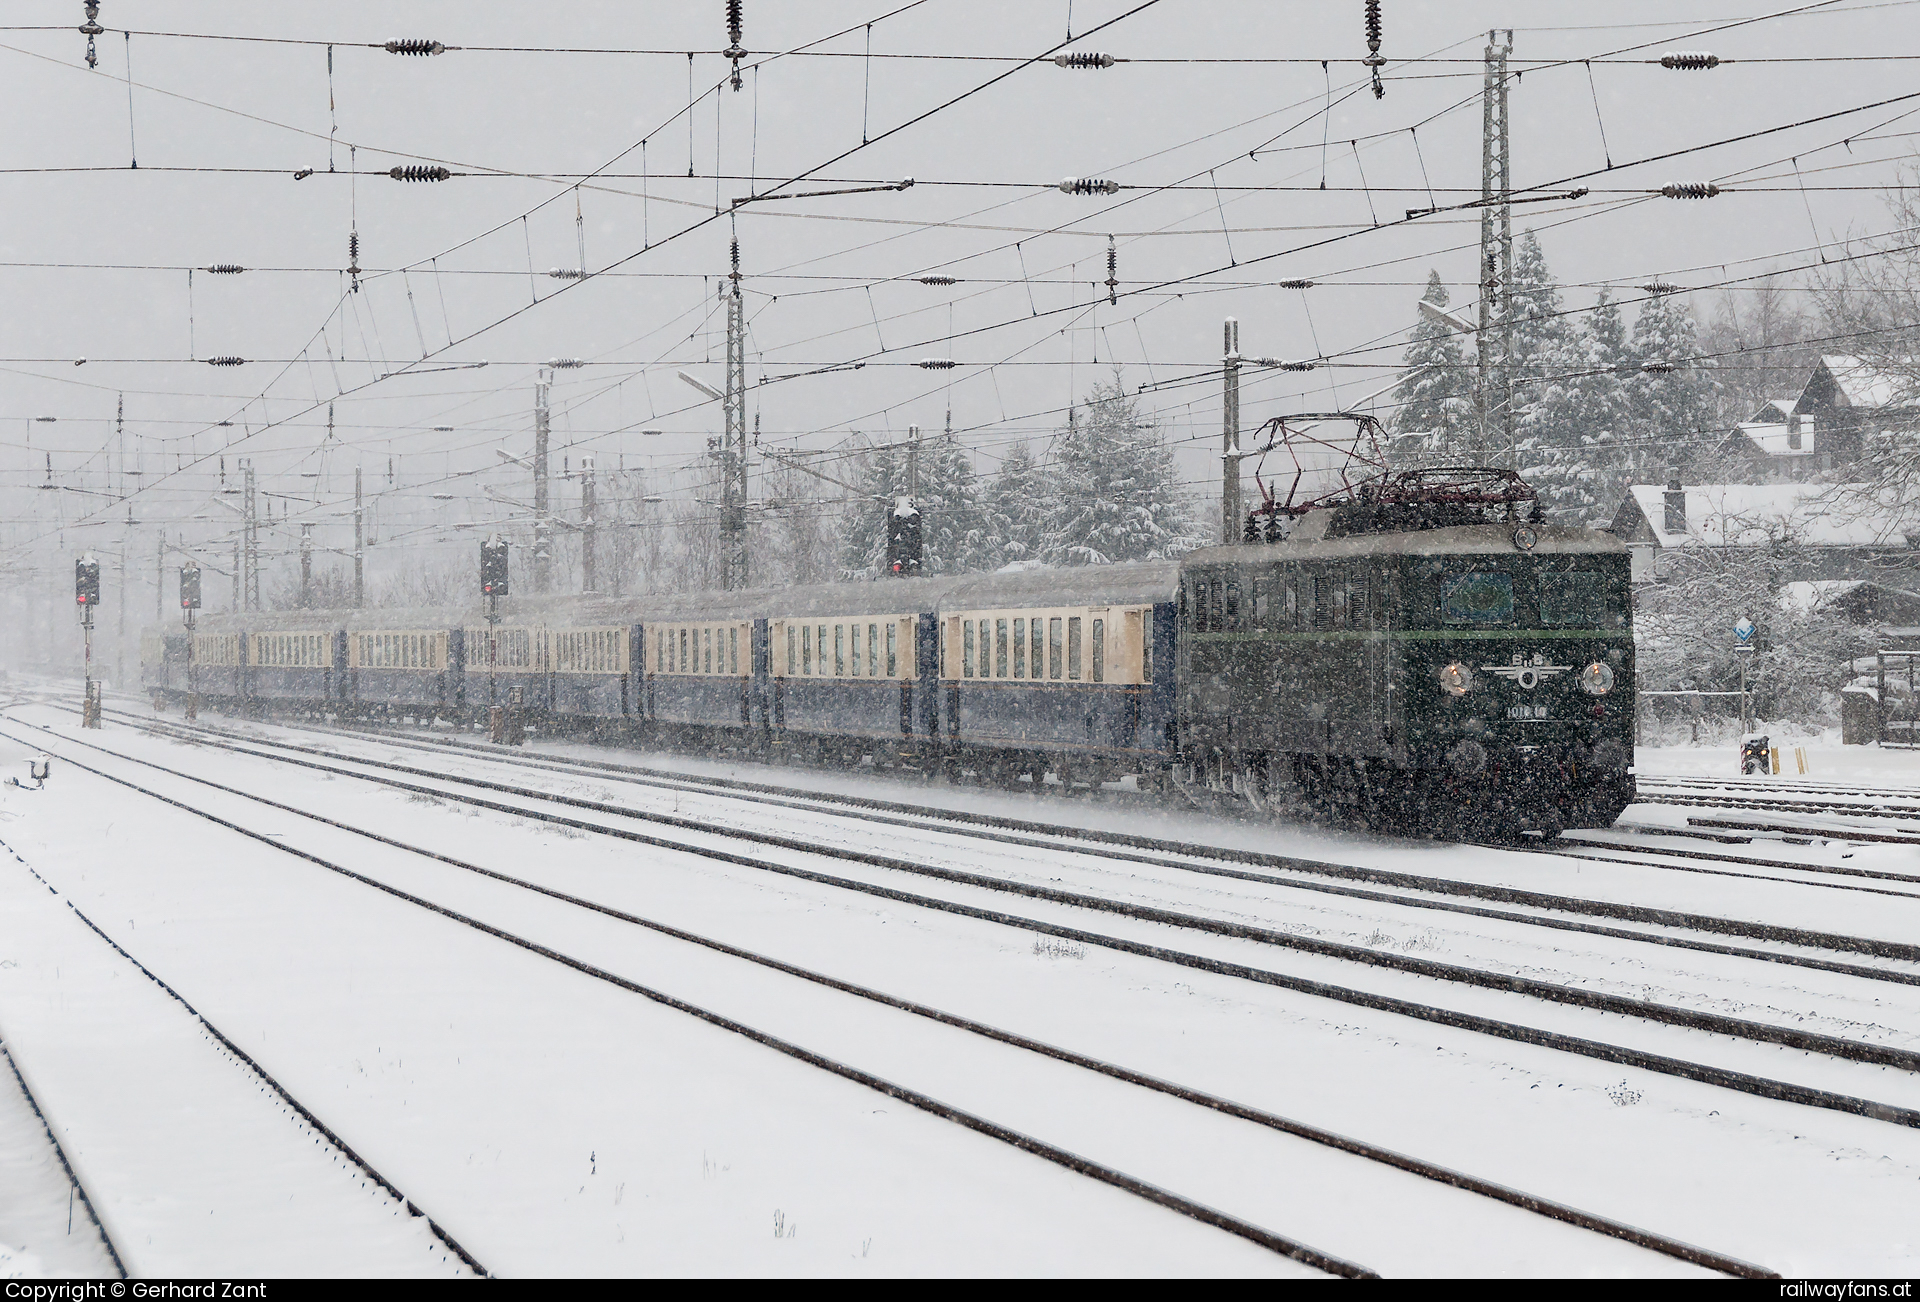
(1107,1175)
(250,1064)
(1184,856)
(1735,1028)
(73,1179)
(1586,847)
(1426,1170)
(1784,793)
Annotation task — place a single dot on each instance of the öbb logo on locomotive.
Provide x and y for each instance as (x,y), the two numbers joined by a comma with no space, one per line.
(1527,672)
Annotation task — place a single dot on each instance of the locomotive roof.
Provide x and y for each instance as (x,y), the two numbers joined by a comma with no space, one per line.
(1309,542)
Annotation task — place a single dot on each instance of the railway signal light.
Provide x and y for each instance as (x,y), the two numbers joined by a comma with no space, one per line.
(905,553)
(493,567)
(189,587)
(86,581)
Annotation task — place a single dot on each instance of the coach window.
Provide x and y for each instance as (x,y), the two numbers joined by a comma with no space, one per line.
(1262,602)
(854,637)
(806,650)
(966,648)
(1233,604)
(733,650)
(893,631)
(1099,650)
(1185,607)
(1073,647)
(821,668)
(1200,606)
(1359,605)
(1053,648)
(683,651)
(839,650)
(999,648)
(1019,648)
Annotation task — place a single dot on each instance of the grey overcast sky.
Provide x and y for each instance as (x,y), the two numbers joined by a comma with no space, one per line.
(1225,103)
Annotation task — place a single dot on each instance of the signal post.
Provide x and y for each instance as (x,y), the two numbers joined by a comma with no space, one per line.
(86,595)
(190,602)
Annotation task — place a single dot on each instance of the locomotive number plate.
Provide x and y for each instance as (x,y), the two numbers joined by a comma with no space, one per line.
(1526,711)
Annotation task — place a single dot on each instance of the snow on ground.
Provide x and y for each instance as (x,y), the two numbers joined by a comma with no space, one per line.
(45,1232)
(1885,768)
(192,1167)
(554,1123)
(710,1147)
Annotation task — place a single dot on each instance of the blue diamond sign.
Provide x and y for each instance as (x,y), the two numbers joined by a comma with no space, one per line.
(1743,630)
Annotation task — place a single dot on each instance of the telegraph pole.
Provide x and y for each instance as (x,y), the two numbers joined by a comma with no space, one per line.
(1230,437)
(587,524)
(306,566)
(1494,339)
(542,522)
(733,446)
(251,527)
(359,546)
(913,464)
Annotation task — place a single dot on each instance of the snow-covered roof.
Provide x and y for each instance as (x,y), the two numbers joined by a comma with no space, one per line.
(1753,515)
(1774,411)
(1809,595)
(1863,384)
(1774,439)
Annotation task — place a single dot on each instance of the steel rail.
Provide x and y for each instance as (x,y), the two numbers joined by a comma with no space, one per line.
(73,1177)
(1039,1148)
(246,1060)
(798,798)
(1761,1086)
(1361,1148)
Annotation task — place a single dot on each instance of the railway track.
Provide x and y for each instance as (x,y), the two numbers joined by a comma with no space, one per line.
(1837,1047)
(1182,856)
(321,1131)
(1427,1171)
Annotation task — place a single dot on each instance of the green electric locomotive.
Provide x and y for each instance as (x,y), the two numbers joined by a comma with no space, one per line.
(1420,655)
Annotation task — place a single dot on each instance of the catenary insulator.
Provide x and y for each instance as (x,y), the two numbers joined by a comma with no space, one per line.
(1293,284)
(419,173)
(1660,287)
(1658,368)
(1690,191)
(1374,60)
(1088,185)
(226,361)
(92,28)
(224,269)
(1690,60)
(565,363)
(567,273)
(415,47)
(734,28)
(936,363)
(939,280)
(1281,363)
(1113,269)
(1083,59)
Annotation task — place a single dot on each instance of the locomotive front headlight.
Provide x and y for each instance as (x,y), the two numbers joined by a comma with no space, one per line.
(1597,678)
(1455,679)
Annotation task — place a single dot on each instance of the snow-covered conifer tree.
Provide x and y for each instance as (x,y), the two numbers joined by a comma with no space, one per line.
(950,517)
(1113,494)
(1437,397)
(1015,511)
(1673,414)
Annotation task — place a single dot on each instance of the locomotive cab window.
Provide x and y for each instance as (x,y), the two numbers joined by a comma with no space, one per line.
(1480,597)
(1575,598)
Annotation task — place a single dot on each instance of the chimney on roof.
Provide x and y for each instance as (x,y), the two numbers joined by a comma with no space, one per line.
(1676,506)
